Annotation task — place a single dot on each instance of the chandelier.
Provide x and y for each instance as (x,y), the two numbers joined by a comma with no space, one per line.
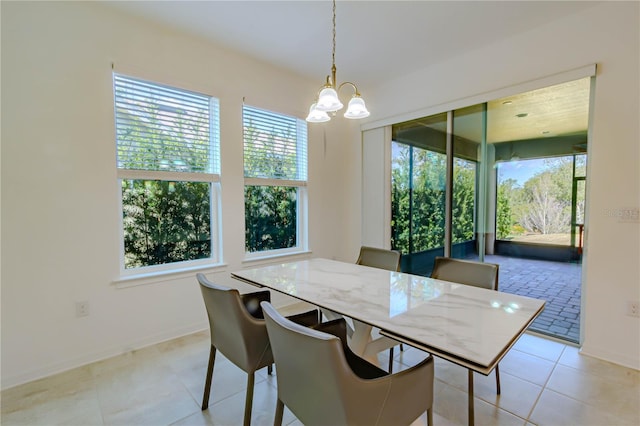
(327,100)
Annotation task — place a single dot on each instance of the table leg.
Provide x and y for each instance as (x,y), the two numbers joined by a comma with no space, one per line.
(471,415)
(360,339)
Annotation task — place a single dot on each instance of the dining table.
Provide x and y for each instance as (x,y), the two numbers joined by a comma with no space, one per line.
(469,326)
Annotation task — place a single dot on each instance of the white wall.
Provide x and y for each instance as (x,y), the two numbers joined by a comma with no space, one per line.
(606,34)
(59,187)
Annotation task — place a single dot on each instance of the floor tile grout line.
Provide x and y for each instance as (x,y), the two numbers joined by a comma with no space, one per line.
(580,371)
(544,387)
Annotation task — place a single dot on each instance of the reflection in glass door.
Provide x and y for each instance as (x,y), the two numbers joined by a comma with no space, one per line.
(418,191)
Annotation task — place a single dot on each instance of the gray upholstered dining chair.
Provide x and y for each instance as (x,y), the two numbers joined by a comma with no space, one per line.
(323,383)
(469,272)
(238,331)
(379,258)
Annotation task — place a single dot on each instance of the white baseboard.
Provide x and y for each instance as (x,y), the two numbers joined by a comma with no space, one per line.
(614,357)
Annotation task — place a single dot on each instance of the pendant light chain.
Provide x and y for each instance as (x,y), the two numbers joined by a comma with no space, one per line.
(333,53)
(327,99)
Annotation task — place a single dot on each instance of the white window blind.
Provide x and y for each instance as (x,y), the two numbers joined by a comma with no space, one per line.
(164,129)
(275,145)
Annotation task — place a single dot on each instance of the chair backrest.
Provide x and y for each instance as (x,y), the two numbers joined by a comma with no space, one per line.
(312,382)
(317,384)
(235,332)
(379,258)
(477,274)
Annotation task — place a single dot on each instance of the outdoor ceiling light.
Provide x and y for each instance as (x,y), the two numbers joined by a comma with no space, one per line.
(327,99)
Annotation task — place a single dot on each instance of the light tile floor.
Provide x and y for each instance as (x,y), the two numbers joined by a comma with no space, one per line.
(543,383)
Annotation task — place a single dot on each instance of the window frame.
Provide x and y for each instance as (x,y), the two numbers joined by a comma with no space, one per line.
(300,184)
(211,176)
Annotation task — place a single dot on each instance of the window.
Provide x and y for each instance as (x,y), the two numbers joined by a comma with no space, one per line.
(168,169)
(275,171)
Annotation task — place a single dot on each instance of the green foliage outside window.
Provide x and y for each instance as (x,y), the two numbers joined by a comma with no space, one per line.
(165,222)
(504,214)
(270,217)
(418,199)
(464,195)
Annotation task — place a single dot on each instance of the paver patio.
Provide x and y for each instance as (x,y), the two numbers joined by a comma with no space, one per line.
(558,283)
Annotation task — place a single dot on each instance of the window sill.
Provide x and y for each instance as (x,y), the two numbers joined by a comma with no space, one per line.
(163,276)
(268,257)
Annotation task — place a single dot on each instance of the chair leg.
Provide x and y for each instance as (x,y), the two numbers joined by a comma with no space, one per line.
(277,421)
(391,360)
(269,369)
(497,380)
(401,347)
(248,403)
(207,385)
(429,417)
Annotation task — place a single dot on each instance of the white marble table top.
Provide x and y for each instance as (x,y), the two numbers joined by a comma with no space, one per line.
(471,326)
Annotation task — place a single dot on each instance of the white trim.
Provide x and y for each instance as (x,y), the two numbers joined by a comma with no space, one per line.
(610,356)
(561,77)
(302,221)
(215,203)
(273,182)
(157,276)
(274,254)
(170,176)
(585,287)
(386,216)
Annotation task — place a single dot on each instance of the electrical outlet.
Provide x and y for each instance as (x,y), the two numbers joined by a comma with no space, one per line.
(82,309)
(633,308)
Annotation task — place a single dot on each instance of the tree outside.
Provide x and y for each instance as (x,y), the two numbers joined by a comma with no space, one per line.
(539,210)
(165,222)
(270,217)
(418,199)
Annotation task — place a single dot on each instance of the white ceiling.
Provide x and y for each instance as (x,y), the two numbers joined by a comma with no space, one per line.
(375,39)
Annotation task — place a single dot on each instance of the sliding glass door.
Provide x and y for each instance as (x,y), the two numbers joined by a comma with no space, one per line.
(502,182)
